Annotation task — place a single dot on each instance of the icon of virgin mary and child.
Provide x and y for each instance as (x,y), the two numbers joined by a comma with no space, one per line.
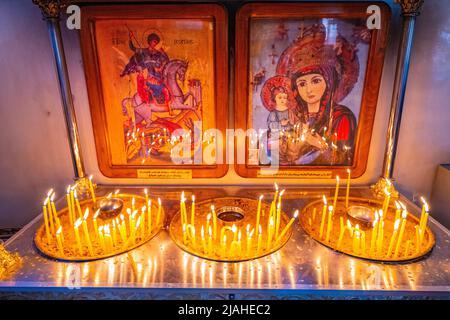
(312,77)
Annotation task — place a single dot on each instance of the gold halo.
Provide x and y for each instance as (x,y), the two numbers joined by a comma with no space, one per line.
(147,32)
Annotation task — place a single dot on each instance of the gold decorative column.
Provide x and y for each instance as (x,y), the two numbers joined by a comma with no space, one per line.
(410,10)
(51,12)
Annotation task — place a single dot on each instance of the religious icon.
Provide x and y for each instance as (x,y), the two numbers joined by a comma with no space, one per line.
(313,91)
(158,82)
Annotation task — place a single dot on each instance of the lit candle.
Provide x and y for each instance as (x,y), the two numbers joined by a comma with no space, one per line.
(270,232)
(398,210)
(400,235)
(288,226)
(356,239)
(341,232)
(158,216)
(387,198)
(183,227)
(373,238)
(101,238)
(347,193)
(249,241)
(278,216)
(94,221)
(77,202)
(417,239)
(393,237)
(149,216)
(210,250)
(259,239)
(363,242)
(77,235)
(380,236)
(138,223)
(239,245)
(183,209)
(91,188)
(314,214)
(133,204)
(59,242)
(423,219)
(336,193)
(69,206)
(202,233)
(276,194)
(143,210)
(132,222)
(108,243)
(146,195)
(213,212)
(258,210)
(193,210)
(114,233)
(47,227)
(194,242)
(224,245)
(86,232)
(53,208)
(324,212)
(329,223)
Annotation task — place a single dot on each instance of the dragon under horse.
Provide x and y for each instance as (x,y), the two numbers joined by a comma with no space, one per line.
(174,71)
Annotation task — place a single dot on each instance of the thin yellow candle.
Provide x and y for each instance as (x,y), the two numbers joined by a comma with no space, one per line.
(91,188)
(94,221)
(47,227)
(143,210)
(182,209)
(146,195)
(69,206)
(138,223)
(193,210)
(314,214)
(72,203)
(423,218)
(210,249)
(213,212)
(158,215)
(278,217)
(336,192)
(194,240)
(132,227)
(258,210)
(50,215)
(270,232)
(59,242)
(417,239)
(393,237)
(114,233)
(239,244)
(341,233)
(398,210)
(400,235)
(259,238)
(86,232)
(356,239)
(324,212)
(52,204)
(363,242)
(77,202)
(234,229)
(329,223)
(387,198)
(249,242)
(183,227)
(202,234)
(133,204)
(286,228)
(101,238)
(149,216)
(77,235)
(373,238)
(108,241)
(276,194)
(347,193)
(224,245)
(380,236)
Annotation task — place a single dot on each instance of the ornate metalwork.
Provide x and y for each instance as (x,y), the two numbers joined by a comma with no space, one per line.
(51,9)
(9,262)
(410,7)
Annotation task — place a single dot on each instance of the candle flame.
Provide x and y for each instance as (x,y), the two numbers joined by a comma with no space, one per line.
(58,232)
(425,204)
(397,205)
(239,235)
(282,192)
(182,196)
(159,201)
(276,186)
(143,209)
(86,214)
(122,217)
(128,211)
(295,214)
(403,205)
(96,214)
(212,208)
(53,198)
(271,221)
(109,195)
(193,198)
(260,229)
(330,208)
(90,177)
(397,223)
(324,199)
(248,227)
(77,223)
(233,228)
(133,201)
(261,197)
(349,224)
(116,192)
(46,201)
(208,217)
(49,193)
(184,227)
(386,191)
(138,223)
(348,171)
(337,179)
(210,231)
(68,188)
(146,191)
(404,214)
(251,233)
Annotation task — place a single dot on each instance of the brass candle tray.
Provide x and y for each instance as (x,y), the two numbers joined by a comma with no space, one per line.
(311,216)
(120,240)
(230,211)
